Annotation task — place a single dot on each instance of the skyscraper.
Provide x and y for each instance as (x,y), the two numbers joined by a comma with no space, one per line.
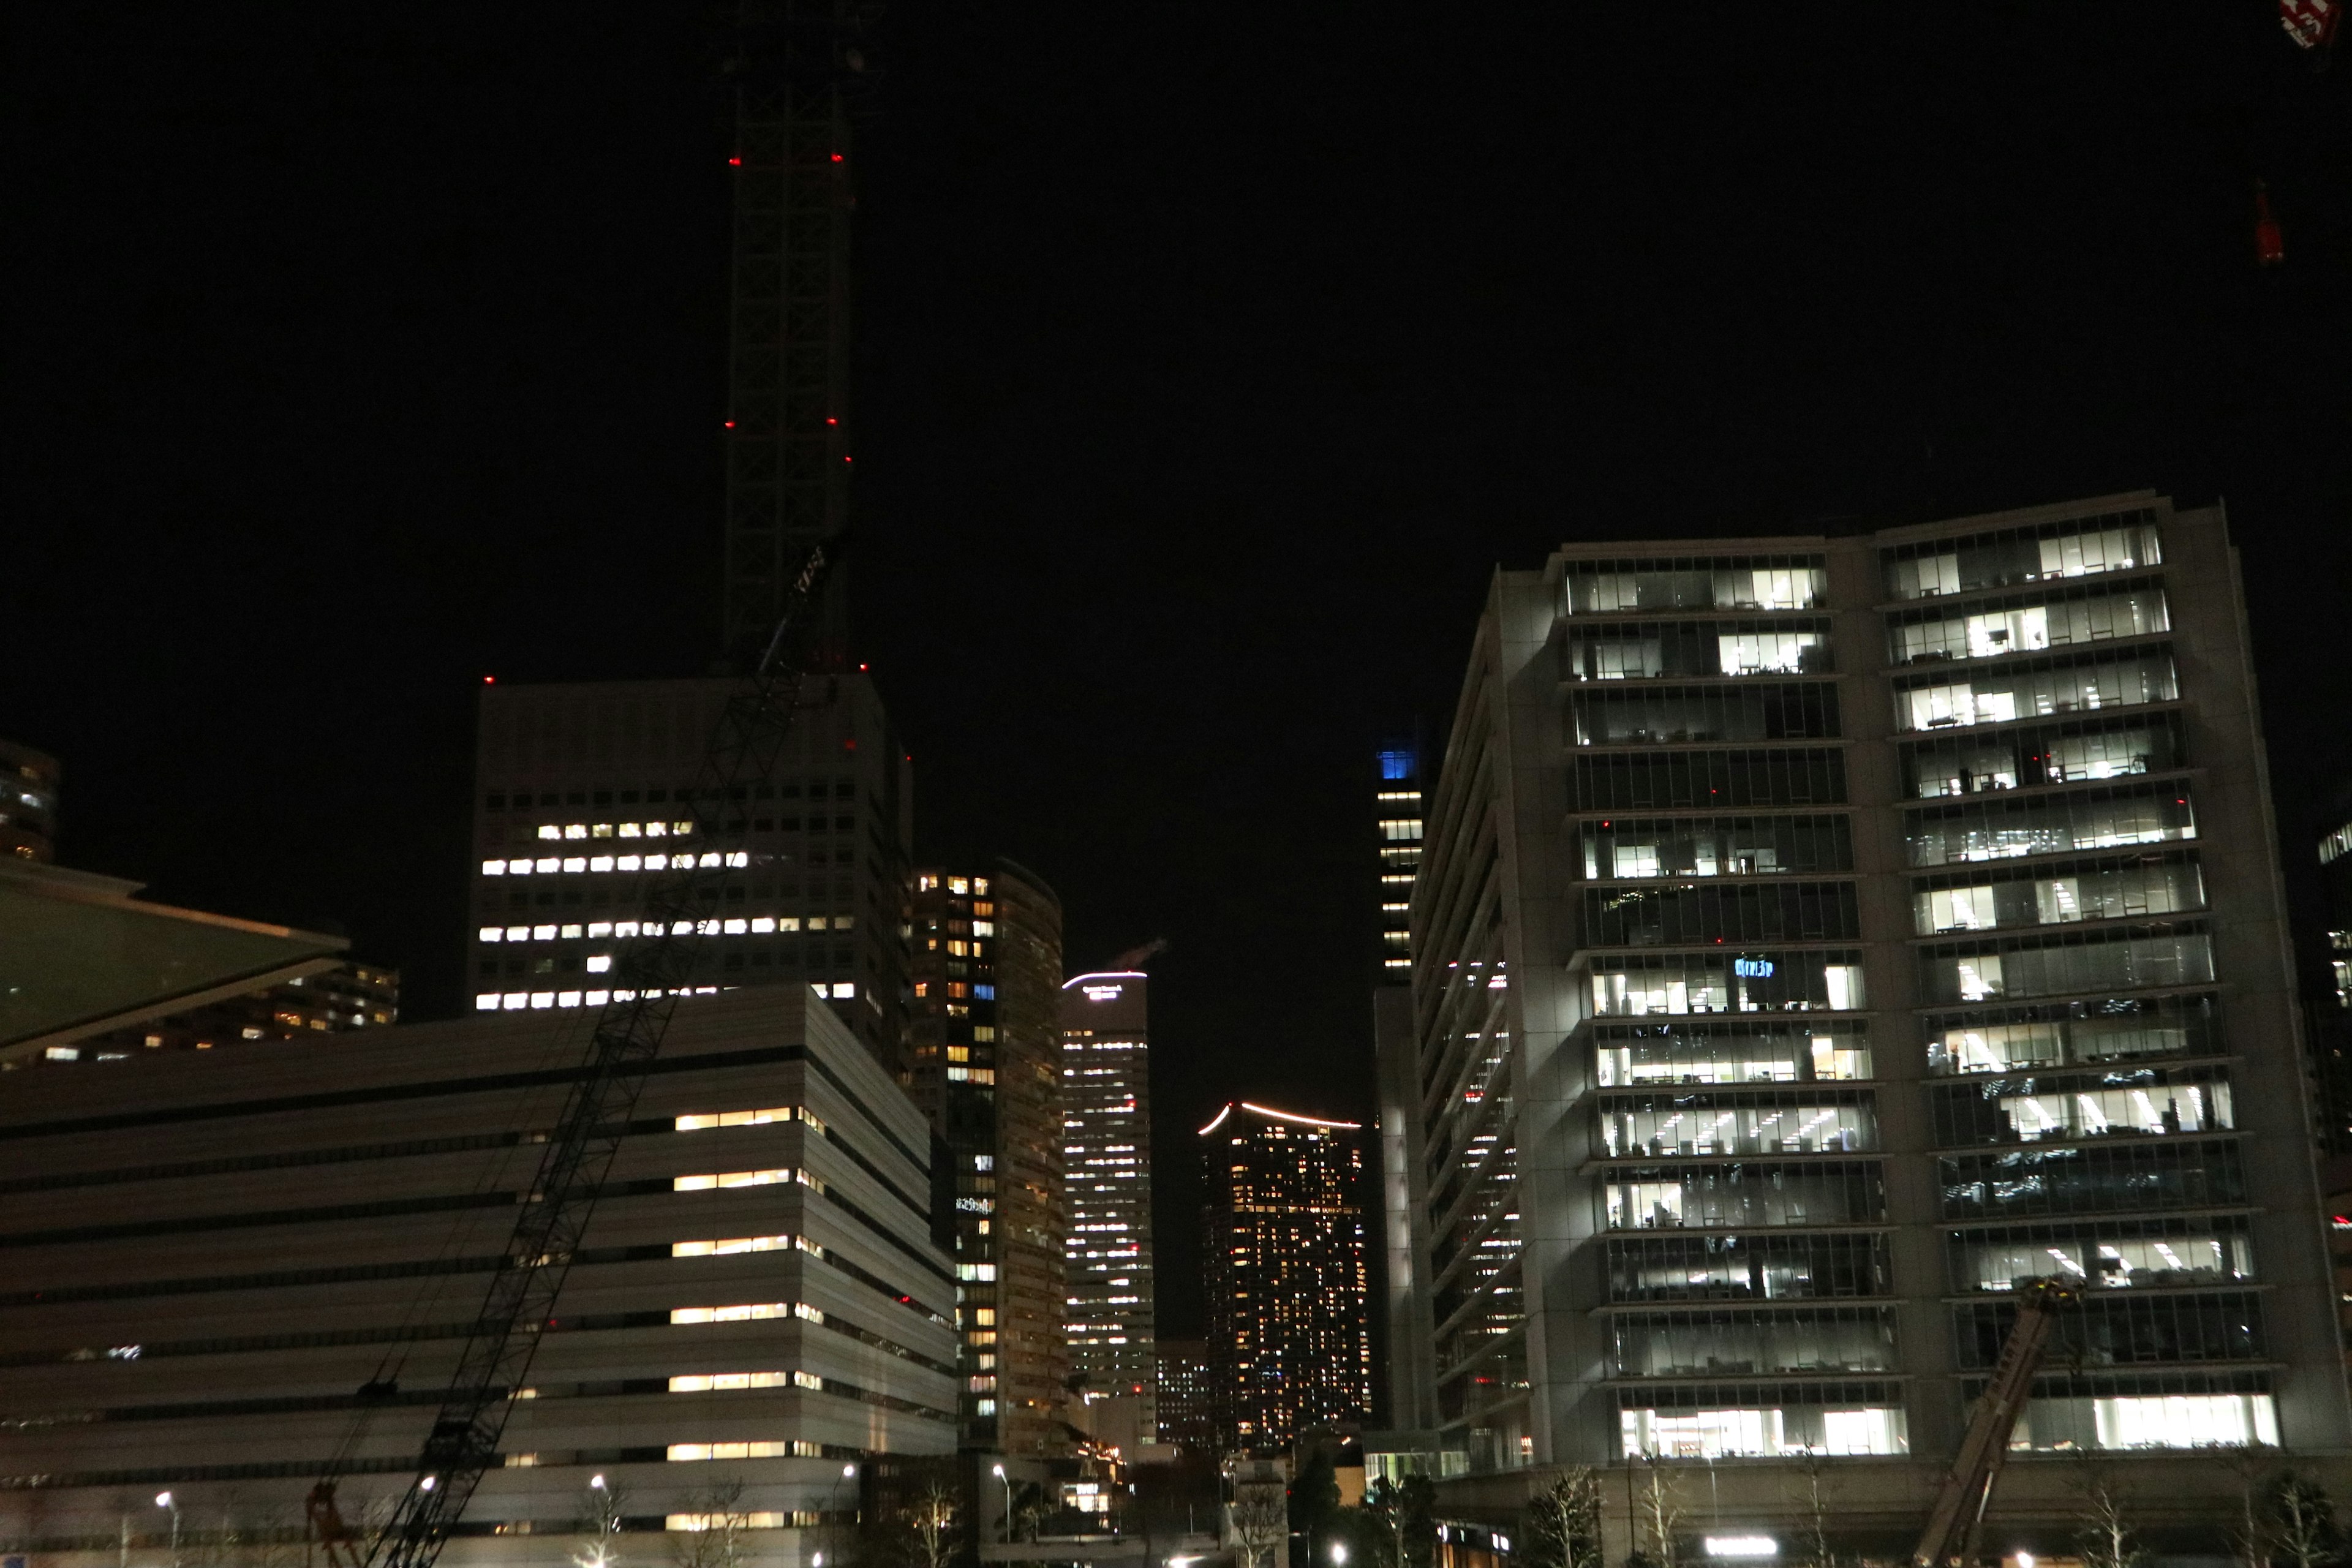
(580,791)
(2330,1000)
(1106,1155)
(1283,1238)
(1398,827)
(1190,1390)
(796,66)
(1899,921)
(986,1060)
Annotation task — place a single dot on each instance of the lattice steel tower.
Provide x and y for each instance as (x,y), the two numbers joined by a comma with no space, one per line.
(796,68)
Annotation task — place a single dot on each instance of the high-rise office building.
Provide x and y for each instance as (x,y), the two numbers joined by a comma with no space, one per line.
(348,996)
(28,803)
(986,952)
(1189,1388)
(1818,937)
(582,793)
(216,1250)
(1283,1234)
(1106,1158)
(1398,827)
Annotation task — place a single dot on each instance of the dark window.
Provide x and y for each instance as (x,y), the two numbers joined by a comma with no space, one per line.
(2078,1180)
(1736,911)
(1643,780)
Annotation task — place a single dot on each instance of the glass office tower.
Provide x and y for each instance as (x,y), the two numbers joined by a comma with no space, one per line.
(1817,938)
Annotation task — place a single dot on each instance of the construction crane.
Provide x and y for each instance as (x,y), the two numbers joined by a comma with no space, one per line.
(650,974)
(1958,1514)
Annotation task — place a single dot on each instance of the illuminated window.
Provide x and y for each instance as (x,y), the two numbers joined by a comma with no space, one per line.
(551,831)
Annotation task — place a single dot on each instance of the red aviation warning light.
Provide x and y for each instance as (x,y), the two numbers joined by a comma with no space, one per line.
(2270,245)
(736,161)
(2311,23)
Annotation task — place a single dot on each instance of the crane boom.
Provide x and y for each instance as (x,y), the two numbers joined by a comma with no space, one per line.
(1952,1524)
(650,974)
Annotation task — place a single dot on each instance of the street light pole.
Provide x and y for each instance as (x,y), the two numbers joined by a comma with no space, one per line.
(999,1472)
(165,1501)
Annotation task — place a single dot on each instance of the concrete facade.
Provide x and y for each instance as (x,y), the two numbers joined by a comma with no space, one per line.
(209,1254)
(579,791)
(1817,936)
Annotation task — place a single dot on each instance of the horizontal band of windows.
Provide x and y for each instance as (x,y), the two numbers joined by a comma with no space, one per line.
(1712,714)
(2029,621)
(2115,958)
(808,1382)
(1710,583)
(2169,1252)
(1745,1342)
(1765,1267)
(323,1215)
(2132,884)
(484,1084)
(576,864)
(627,930)
(2039,553)
(2120,1179)
(1743,1193)
(2123,1329)
(2063,820)
(1747,913)
(1647,1054)
(2146,739)
(1739,1122)
(1651,779)
(1628,848)
(180,1170)
(1639,650)
(2072,1107)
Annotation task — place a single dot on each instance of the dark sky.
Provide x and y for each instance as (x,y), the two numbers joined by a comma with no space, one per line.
(1210,358)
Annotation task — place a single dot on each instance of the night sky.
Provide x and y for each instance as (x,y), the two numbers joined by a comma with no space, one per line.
(1210,358)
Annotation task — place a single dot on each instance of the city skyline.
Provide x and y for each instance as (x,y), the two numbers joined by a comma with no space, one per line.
(361,395)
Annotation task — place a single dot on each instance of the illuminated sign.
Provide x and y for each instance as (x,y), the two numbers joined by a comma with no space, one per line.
(1752,969)
(1103,993)
(1742,1545)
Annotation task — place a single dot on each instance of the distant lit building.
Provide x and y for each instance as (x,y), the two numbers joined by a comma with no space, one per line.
(350,996)
(1106,1158)
(1190,1386)
(28,803)
(2330,1003)
(1396,819)
(986,957)
(1283,1234)
(583,793)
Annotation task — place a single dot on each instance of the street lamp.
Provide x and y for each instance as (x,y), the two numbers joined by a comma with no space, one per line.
(998,1471)
(1339,1554)
(164,1499)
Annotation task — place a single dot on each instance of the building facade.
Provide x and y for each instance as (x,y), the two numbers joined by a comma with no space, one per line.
(348,996)
(213,1253)
(986,952)
(28,803)
(1284,1237)
(1106,1157)
(583,791)
(1189,1408)
(1817,939)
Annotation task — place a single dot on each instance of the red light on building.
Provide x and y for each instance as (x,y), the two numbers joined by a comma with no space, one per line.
(2270,245)
(831,420)
(836,157)
(731,425)
(490,680)
(735,162)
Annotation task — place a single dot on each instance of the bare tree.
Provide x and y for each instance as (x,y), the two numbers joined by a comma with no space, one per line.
(2303,1522)
(1812,1495)
(1261,1520)
(716,1539)
(934,1520)
(1658,1513)
(1564,1521)
(607,1504)
(2106,1531)
(2250,1533)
